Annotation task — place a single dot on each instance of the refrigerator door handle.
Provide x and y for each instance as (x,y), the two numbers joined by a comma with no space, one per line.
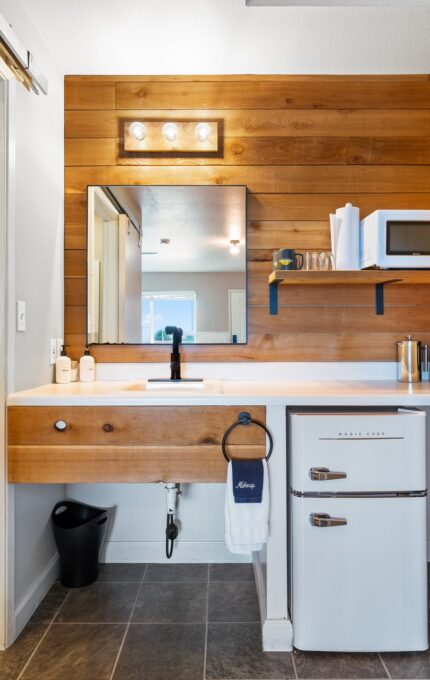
(322,520)
(321,474)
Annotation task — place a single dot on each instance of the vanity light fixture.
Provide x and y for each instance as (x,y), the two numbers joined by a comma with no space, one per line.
(170,131)
(199,137)
(137,130)
(234,246)
(203,131)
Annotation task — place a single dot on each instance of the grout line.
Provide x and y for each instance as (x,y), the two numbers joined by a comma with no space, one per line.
(206,630)
(37,647)
(294,664)
(61,606)
(384,665)
(126,629)
(43,637)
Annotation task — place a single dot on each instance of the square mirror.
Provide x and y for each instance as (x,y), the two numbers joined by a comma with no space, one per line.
(167,256)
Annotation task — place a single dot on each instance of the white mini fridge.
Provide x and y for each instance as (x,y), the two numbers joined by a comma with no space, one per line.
(357,520)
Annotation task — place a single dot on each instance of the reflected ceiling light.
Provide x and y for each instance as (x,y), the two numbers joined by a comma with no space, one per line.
(203,131)
(170,131)
(234,246)
(137,130)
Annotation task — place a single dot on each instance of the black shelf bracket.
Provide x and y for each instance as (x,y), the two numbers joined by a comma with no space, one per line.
(379,295)
(379,299)
(273,298)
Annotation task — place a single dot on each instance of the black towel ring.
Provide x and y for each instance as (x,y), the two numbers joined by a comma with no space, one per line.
(244,418)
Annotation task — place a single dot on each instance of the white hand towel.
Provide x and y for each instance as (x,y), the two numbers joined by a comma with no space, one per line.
(246,524)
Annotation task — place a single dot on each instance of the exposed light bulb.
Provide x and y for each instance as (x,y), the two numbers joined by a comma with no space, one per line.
(203,131)
(234,247)
(170,131)
(137,130)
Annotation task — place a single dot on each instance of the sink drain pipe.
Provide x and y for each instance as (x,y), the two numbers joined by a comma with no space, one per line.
(172,493)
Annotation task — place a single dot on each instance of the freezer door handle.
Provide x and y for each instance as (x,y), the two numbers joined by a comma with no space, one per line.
(322,520)
(321,474)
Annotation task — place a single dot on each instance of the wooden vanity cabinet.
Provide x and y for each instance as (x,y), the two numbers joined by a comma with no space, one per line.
(126,444)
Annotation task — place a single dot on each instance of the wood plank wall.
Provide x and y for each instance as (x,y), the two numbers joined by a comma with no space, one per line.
(303,146)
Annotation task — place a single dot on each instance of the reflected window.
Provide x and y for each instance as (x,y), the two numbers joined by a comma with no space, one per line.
(161,309)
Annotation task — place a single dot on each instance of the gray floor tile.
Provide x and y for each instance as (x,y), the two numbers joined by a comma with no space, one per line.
(76,652)
(162,652)
(121,572)
(171,603)
(321,665)
(99,603)
(13,659)
(50,604)
(177,572)
(231,572)
(234,651)
(408,665)
(229,602)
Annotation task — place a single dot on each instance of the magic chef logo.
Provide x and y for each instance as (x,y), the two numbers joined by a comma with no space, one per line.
(245,485)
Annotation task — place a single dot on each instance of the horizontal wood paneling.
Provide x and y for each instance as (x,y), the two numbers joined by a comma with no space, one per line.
(268,151)
(294,93)
(88,124)
(145,444)
(121,464)
(262,178)
(303,146)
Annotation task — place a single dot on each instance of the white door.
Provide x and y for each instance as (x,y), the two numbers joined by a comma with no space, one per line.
(359,586)
(237,314)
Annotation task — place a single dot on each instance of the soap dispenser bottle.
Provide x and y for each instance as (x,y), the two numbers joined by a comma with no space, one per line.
(63,368)
(86,367)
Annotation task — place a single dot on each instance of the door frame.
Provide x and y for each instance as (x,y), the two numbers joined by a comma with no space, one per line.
(7,359)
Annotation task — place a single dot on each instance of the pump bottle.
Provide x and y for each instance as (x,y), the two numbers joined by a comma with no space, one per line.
(87,367)
(63,368)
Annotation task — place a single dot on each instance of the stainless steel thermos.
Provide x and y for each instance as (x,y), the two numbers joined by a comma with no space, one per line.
(409,360)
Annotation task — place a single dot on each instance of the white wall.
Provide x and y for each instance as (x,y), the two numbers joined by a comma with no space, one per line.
(225,36)
(37,122)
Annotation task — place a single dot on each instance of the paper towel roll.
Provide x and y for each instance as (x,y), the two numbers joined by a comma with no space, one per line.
(347,250)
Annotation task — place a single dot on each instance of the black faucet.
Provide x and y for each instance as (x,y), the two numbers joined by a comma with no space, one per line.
(175,357)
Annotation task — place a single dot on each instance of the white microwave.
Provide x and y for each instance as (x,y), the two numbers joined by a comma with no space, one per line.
(395,239)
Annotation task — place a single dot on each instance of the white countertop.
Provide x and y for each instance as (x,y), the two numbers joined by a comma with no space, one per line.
(224,393)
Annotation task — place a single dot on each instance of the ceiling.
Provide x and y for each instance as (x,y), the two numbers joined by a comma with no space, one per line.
(226,36)
(199,221)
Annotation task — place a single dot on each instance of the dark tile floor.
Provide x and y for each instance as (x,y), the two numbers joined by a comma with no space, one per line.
(173,622)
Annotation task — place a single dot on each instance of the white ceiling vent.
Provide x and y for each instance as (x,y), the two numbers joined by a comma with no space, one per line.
(340,3)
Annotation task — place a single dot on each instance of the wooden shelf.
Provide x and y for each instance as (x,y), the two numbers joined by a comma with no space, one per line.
(376,277)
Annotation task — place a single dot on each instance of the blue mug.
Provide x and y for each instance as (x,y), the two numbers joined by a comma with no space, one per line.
(286,258)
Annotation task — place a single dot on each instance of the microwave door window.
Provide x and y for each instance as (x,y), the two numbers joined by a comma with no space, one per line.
(408,237)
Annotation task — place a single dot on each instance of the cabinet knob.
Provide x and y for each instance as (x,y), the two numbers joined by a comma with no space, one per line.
(108,427)
(61,425)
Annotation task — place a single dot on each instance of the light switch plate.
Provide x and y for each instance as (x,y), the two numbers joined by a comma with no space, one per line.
(60,343)
(21,316)
(52,351)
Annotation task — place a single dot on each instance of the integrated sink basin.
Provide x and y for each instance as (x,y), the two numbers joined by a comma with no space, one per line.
(167,386)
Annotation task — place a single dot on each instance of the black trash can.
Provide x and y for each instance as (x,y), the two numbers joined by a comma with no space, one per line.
(79,531)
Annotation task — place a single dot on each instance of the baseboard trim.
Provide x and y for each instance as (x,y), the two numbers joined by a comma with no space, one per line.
(35,594)
(260,582)
(277,635)
(154,551)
